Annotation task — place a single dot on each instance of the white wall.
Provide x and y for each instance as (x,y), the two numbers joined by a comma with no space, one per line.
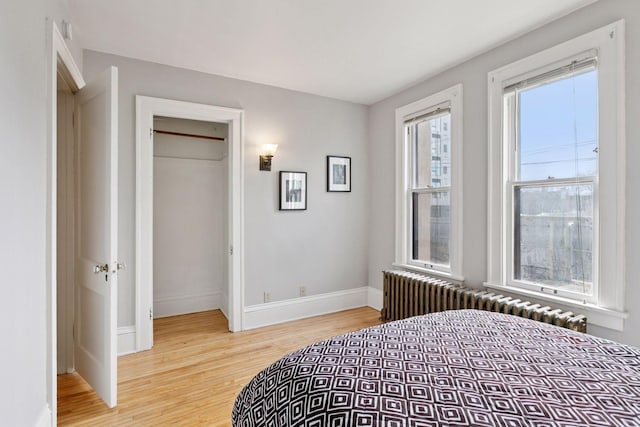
(22,216)
(189,253)
(23,220)
(323,248)
(473,75)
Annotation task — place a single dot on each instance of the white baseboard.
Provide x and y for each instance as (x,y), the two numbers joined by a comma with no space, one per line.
(126,340)
(374,298)
(185,304)
(271,313)
(45,418)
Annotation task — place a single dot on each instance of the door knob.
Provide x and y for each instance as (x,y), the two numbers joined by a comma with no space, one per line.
(101,268)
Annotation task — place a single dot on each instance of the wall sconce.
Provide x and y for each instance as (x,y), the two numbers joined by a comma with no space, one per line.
(268,151)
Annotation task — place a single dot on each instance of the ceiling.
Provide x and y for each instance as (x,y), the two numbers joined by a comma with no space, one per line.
(355,50)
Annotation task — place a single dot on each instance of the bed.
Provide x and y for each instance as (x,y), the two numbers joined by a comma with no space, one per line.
(453,368)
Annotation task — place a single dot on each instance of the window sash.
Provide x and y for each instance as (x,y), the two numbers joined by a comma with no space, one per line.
(411,144)
(413,230)
(557,288)
(511,108)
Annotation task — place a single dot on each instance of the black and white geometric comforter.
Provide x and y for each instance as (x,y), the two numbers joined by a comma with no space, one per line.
(454,368)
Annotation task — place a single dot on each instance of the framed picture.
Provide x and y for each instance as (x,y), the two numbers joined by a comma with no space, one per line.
(293,191)
(338,173)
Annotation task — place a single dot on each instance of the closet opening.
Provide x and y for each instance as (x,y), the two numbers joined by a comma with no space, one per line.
(187,159)
(190,216)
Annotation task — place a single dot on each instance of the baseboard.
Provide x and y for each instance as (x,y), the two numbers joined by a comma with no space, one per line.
(185,304)
(46,417)
(271,313)
(374,298)
(256,316)
(126,340)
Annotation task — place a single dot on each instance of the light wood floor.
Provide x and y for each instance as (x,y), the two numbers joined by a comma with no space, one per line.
(195,370)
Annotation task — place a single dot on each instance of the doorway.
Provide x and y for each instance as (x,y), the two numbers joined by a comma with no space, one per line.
(65,227)
(190,165)
(82,225)
(64,80)
(148,108)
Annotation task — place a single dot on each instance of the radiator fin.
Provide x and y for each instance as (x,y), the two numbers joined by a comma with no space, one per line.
(409,294)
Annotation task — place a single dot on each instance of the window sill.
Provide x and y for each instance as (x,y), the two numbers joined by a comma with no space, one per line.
(437,273)
(596,315)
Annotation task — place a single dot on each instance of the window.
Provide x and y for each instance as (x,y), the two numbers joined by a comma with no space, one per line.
(428,223)
(553,145)
(555,160)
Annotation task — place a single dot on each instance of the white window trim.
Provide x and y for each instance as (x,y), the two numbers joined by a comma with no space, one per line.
(453,95)
(608,41)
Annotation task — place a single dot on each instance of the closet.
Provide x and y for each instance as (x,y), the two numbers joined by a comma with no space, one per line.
(190,171)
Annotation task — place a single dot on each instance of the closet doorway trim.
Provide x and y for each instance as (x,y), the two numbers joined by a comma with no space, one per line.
(146,109)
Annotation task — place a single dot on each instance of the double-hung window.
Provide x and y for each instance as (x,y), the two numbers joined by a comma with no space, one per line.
(556,186)
(428,228)
(551,131)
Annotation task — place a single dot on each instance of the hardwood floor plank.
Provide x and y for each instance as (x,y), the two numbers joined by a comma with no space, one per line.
(195,370)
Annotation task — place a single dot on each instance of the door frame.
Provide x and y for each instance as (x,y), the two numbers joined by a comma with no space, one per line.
(146,108)
(59,60)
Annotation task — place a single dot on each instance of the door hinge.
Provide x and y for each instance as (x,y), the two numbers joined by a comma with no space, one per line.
(73,331)
(150,314)
(231,250)
(150,132)
(73,119)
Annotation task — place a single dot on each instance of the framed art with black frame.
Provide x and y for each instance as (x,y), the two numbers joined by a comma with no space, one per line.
(293,191)
(338,174)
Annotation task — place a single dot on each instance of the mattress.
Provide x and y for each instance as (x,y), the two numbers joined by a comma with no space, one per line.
(453,368)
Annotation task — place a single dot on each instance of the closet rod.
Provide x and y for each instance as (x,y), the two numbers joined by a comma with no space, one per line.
(166,132)
(157,156)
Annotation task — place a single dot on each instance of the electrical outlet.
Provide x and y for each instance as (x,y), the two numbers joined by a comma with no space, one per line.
(267,297)
(303,291)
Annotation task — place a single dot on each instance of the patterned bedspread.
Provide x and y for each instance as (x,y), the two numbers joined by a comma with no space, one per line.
(454,368)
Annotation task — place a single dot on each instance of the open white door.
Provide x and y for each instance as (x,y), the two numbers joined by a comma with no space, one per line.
(96,234)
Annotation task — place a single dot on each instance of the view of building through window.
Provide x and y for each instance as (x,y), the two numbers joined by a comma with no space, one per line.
(432,174)
(556,165)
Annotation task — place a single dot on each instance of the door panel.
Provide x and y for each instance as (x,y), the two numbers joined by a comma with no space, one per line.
(96,237)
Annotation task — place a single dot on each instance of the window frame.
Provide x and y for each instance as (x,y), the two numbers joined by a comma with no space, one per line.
(510,141)
(452,98)
(606,308)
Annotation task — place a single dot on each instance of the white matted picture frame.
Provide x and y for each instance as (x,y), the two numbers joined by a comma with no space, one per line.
(293,191)
(338,174)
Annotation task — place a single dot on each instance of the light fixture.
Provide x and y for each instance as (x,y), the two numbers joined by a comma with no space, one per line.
(268,151)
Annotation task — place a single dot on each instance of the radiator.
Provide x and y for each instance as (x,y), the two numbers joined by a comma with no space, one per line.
(409,294)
